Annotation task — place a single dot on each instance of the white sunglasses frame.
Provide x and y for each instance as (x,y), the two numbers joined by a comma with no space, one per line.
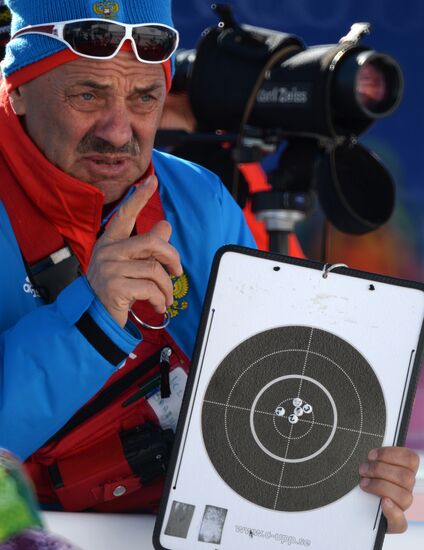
(58,27)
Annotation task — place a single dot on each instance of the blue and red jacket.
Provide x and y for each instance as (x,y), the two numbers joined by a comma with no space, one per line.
(52,363)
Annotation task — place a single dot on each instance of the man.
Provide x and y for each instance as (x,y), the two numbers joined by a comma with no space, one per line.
(79,192)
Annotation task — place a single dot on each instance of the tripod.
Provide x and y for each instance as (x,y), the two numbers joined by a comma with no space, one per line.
(291,197)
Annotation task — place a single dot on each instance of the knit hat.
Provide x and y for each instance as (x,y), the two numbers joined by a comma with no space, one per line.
(31,55)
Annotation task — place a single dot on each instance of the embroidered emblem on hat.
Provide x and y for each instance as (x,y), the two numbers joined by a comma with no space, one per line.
(108,10)
(181,288)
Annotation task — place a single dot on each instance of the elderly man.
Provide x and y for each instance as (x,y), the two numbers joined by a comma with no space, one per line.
(92,273)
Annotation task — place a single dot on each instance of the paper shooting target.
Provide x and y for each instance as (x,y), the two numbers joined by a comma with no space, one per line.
(289,415)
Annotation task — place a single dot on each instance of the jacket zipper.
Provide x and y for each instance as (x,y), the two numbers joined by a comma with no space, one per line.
(165,368)
(111,393)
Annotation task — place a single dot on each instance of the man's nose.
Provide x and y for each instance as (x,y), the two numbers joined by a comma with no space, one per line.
(115,126)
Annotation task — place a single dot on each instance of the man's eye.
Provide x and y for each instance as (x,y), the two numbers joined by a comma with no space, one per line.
(86,96)
(146,98)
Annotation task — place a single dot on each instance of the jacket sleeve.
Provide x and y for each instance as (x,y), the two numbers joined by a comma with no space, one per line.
(52,361)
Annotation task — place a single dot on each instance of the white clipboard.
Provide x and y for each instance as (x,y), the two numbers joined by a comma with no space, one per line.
(300,370)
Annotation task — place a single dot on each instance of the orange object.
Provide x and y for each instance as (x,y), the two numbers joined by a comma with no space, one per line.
(258,181)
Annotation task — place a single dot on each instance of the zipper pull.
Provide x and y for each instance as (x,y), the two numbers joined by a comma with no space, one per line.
(165,367)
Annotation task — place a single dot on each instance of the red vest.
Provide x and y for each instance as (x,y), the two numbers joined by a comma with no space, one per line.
(96,465)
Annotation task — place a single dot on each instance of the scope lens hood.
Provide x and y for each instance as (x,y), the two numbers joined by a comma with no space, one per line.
(356,191)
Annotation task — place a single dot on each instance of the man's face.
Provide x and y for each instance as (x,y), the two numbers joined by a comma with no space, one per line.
(96,120)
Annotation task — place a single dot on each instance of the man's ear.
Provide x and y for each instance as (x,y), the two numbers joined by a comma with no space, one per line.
(17,102)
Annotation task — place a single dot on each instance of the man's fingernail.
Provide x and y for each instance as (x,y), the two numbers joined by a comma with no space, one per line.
(372,455)
(365,481)
(363,469)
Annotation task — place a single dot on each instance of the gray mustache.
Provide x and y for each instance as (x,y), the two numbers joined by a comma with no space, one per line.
(93,144)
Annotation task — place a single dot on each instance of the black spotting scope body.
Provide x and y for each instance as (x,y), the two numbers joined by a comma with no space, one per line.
(327,90)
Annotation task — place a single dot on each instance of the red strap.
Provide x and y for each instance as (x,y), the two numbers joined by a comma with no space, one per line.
(36,236)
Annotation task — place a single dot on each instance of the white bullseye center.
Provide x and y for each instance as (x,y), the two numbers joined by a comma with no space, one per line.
(282,379)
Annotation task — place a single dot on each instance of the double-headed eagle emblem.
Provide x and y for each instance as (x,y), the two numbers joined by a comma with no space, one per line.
(108,10)
(181,288)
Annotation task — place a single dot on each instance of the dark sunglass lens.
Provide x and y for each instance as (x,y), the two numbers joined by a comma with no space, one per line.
(154,43)
(96,38)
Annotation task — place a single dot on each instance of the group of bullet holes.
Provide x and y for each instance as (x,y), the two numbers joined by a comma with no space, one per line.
(300,408)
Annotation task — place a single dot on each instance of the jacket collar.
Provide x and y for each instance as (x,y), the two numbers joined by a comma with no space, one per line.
(73,207)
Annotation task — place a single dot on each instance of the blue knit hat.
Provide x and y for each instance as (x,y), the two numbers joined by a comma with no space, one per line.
(30,48)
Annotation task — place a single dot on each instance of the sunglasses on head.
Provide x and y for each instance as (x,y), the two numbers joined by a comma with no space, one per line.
(101,39)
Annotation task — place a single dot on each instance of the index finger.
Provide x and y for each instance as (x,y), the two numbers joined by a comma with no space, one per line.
(124,220)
